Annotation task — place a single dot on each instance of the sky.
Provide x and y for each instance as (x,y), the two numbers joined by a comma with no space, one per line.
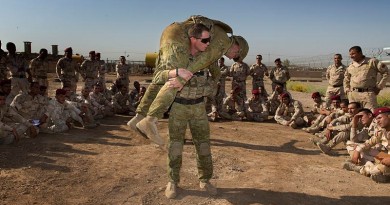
(294,30)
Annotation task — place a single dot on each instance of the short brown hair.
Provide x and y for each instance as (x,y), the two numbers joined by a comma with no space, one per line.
(197,29)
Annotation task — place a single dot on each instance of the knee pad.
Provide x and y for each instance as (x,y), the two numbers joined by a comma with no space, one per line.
(204,149)
(176,149)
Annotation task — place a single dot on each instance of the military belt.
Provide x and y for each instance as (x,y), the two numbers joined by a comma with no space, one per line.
(18,76)
(184,101)
(360,90)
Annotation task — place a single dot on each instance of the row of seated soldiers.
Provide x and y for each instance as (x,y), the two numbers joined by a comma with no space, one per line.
(260,107)
(363,132)
(29,113)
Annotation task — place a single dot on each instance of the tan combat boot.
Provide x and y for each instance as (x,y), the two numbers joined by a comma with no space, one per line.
(171,190)
(147,127)
(133,122)
(206,186)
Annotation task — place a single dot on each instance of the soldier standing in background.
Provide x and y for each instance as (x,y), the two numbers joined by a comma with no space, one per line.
(89,70)
(39,68)
(3,64)
(102,69)
(18,67)
(360,81)
(335,75)
(257,71)
(66,70)
(239,71)
(217,100)
(279,74)
(122,72)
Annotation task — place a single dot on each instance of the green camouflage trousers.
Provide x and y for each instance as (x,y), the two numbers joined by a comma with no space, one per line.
(195,117)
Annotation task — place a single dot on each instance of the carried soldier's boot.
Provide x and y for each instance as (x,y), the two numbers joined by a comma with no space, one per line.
(133,122)
(379,178)
(148,128)
(350,166)
(206,186)
(171,190)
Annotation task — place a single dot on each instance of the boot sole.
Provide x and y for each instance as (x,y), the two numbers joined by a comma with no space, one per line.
(142,134)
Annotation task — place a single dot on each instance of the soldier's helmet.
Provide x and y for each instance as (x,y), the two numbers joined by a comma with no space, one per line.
(244,47)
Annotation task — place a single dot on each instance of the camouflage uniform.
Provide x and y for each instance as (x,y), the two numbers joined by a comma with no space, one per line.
(335,76)
(39,69)
(22,125)
(279,75)
(188,109)
(361,79)
(3,65)
(257,72)
(380,141)
(256,110)
(84,104)
(123,104)
(101,105)
(28,106)
(292,111)
(58,114)
(358,136)
(89,72)
(122,74)
(239,72)
(233,108)
(217,100)
(274,101)
(174,40)
(314,116)
(66,71)
(102,72)
(18,67)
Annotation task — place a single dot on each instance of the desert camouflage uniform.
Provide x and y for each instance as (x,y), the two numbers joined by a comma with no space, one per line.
(279,75)
(239,72)
(233,108)
(89,72)
(123,104)
(358,136)
(84,104)
(3,65)
(39,69)
(335,77)
(18,67)
(274,101)
(217,100)
(361,79)
(101,105)
(257,72)
(314,116)
(341,129)
(188,109)
(102,72)
(29,107)
(256,110)
(66,71)
(122,73)
(380,141)
(292,111)
(58,114)
(22,125)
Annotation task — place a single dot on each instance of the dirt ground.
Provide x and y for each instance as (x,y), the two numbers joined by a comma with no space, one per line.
(254,163)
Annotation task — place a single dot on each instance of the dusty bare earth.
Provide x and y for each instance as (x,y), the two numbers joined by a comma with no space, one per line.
(255,163)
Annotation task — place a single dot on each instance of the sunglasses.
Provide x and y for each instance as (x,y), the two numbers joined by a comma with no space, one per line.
(205,40)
